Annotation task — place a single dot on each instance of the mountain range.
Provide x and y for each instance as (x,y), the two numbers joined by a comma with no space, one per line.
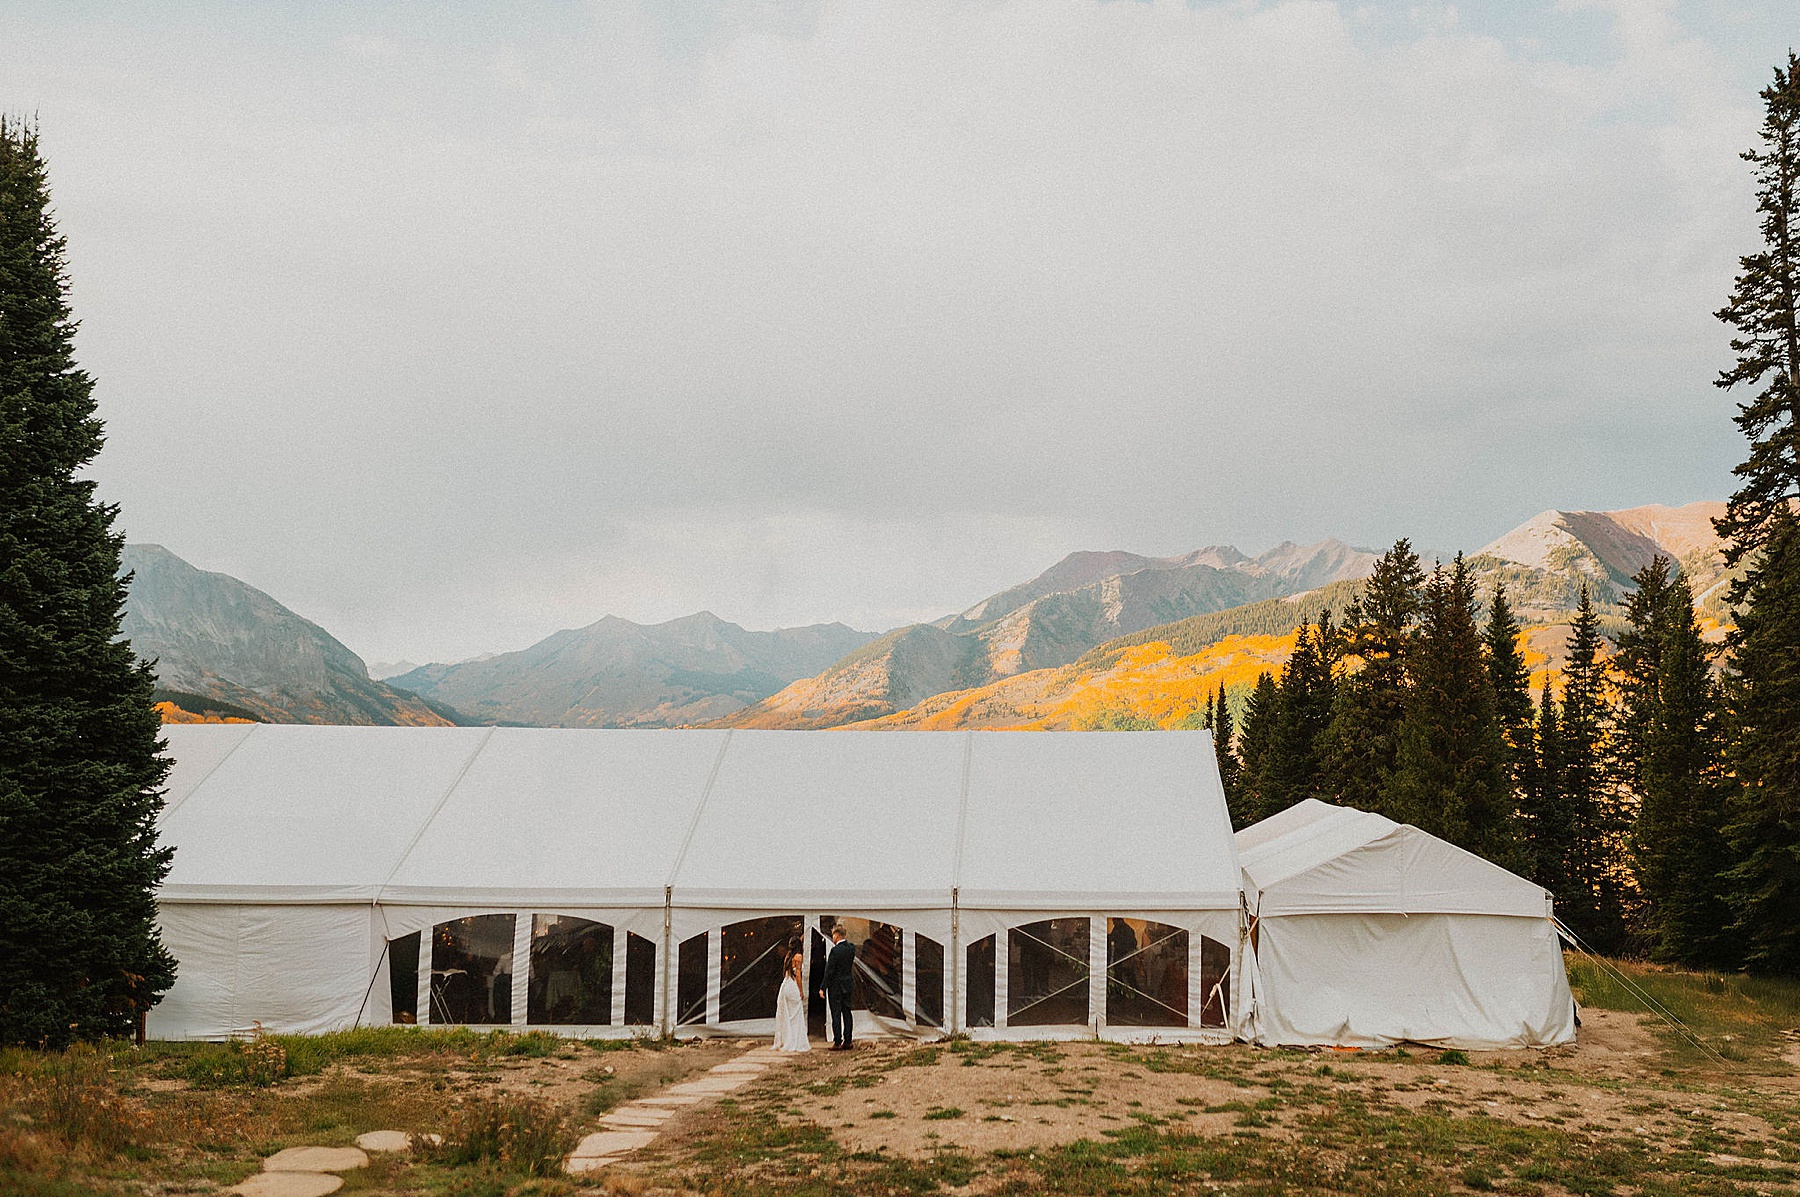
(1082,601)
(225,648)
(1096,633)
(615,673)
(1161,676)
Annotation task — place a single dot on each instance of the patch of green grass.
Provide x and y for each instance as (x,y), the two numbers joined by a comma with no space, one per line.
(918,1057)
(970,1052)
(946,1113)
(1453,1056)
(1741,1018)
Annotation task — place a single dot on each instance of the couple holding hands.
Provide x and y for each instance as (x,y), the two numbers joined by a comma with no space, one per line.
(790,1005)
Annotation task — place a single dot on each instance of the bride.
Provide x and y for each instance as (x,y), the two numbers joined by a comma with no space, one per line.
(790,1007)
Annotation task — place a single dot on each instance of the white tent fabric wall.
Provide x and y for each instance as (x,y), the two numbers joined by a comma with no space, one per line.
(316,866)
(1369,932)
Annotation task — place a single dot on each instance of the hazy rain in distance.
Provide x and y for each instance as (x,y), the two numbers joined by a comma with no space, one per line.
(453,325)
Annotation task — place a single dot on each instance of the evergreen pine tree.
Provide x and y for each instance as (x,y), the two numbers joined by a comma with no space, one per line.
(1222,745)
(1764,712)
(1678,844)
(1512,691)
(1370,699)
(1451,769)
(1254,744)
(80,777)
(1292,770)
(1635,667)
(1592,905)
(1767,341)
(1544,815)
(1764,680)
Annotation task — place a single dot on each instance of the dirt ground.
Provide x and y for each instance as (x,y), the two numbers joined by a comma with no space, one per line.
(1627,1111)
(898,1097)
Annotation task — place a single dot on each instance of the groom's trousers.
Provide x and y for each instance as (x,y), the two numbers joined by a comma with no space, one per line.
(839,1001)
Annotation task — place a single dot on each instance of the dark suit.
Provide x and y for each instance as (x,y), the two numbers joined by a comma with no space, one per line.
(840,984)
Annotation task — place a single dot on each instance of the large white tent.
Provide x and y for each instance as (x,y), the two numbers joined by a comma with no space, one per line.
(627,882)
(1368,932)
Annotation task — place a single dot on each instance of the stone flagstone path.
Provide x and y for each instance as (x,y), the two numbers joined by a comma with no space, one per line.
(637,1123)
(302,1172)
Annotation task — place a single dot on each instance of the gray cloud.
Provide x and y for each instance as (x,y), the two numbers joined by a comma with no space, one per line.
(449,331)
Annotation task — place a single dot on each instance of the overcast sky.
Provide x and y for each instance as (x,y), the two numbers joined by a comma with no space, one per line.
(452,325)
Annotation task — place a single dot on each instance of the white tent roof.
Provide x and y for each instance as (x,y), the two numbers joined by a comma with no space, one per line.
(790,820)
(1316,858)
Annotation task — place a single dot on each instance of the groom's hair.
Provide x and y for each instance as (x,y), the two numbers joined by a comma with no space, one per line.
(837,932)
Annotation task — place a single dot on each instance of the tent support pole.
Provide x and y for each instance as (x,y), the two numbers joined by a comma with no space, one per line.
(373,977)
(955,1020)
(668,946)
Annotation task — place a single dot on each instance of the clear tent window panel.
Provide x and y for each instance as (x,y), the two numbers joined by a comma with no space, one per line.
(1146,974)
(928,981)
(750,962)
(571,972)
(879,963)
(1215,982)
(640,980)
(403,978)
(978,982)
(690,980)
(1047,973)
(472,970)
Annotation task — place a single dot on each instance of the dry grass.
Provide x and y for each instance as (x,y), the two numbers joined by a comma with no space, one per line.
(1632,1110)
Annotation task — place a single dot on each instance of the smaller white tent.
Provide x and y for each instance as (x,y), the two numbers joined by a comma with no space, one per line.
(1367,932)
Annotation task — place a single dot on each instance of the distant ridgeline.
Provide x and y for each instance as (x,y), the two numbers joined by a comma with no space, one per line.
(1099,639)
(1271,617)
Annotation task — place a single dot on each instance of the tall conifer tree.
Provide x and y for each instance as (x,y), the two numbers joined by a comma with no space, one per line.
(1762,311)
(1222,745)
(1544,816)
(1764,714)
(80,777)
(1451,770)
(1635,669)
(1512,690)
(1370,699)
(1291,773)
(1593,903)
(1678,843)
(1760,526)
(1254,745)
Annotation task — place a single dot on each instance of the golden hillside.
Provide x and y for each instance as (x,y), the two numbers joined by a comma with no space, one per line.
(1146,681)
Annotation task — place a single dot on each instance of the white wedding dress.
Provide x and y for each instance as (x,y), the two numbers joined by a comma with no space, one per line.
(790,1018)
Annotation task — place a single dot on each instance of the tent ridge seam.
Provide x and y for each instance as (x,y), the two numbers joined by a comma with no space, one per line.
(204,777)
(432,817)
(699,810)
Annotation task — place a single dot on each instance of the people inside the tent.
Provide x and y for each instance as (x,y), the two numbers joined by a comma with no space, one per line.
(839,988)
(1125,951)
(790,1005)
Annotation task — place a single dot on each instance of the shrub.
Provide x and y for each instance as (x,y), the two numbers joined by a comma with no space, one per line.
(512,1133)
(70,1095)
(259,1061)
(1454,1056)
(535,1044)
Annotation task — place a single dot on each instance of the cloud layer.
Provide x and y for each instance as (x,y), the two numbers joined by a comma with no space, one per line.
(449,332)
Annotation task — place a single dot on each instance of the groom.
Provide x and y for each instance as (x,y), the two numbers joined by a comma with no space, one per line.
(839,984)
